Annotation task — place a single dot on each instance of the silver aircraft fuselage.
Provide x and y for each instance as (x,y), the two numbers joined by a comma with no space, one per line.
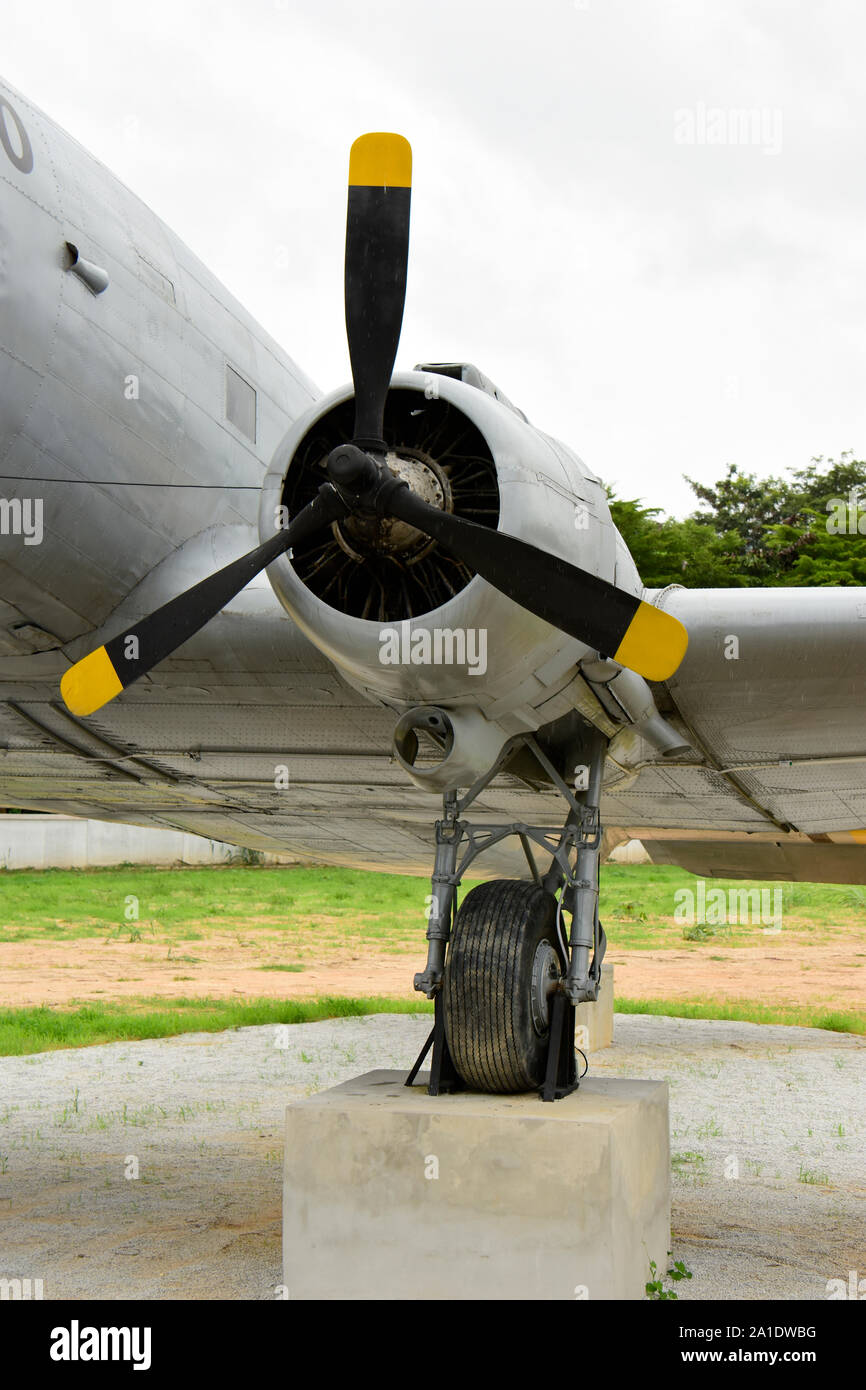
(113,405)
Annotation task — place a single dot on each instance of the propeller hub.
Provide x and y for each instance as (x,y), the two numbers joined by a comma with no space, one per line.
(363,534)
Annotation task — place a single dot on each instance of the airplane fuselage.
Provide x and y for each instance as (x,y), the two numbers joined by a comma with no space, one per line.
(115,407)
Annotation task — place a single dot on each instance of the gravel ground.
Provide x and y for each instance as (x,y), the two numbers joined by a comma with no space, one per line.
(768,1141)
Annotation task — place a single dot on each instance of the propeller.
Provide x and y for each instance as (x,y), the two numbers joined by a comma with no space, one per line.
(610,620)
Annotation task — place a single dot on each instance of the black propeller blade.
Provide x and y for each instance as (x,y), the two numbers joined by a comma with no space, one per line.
(614,622)
(102,674)
(611,620)
(377,253)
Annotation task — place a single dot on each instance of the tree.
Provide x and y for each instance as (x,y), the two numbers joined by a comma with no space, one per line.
(674,552)
(809,529)
(746,505)
(756,531)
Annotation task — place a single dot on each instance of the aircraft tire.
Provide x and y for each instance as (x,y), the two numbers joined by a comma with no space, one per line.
(503,955)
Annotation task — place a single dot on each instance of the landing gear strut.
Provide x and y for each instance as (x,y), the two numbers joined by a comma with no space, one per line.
(505,993)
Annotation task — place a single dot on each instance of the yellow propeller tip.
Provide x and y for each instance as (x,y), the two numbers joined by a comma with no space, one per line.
(381,160)
(90,683)
(654,644)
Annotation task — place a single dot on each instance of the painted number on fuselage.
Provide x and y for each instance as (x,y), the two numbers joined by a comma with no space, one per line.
(22,158)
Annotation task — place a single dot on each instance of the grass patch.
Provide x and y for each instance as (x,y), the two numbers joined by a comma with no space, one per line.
(186,904)
(338,905)
(690,1163)
(813,1178)
(23,1031)
(699,932)
(795,1015)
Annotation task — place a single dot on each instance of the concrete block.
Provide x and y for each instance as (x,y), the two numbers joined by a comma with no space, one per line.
(393,1194)
(596,1019)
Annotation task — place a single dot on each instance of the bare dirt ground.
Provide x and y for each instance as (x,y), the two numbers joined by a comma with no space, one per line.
(827,976)
(831,975)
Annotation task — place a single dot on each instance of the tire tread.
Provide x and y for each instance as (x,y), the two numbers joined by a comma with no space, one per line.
(487,985)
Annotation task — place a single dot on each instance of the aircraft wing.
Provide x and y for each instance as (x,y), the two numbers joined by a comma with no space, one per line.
(252,737)
(771,696)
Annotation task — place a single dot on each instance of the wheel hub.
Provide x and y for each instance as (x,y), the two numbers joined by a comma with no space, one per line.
(546,975)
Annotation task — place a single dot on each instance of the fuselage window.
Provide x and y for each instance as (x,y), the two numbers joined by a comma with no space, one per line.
(240,404)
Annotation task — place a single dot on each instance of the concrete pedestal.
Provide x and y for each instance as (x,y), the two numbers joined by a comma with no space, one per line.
(393,1194)
(594,1022)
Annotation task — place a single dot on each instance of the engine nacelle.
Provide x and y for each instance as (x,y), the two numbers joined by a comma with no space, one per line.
(407,624)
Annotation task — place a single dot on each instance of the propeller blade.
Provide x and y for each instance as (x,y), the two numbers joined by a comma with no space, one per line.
(377,250)
(104,673)
(617,624)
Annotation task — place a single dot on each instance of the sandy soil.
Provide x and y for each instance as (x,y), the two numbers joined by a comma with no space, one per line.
(831,976)
(828,976)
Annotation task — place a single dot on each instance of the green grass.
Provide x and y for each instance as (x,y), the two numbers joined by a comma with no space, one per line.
(24,1031)
(187,904)
(795,1015)
(690,1162)
(637,904)
(809,1175)
(310,911)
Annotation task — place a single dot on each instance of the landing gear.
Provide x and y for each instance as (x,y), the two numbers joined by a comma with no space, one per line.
(504,978)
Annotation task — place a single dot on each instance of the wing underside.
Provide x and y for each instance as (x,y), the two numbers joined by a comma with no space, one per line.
(252,738)
(771,695)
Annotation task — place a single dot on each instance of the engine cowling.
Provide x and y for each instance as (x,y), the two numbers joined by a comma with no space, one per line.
(406,623)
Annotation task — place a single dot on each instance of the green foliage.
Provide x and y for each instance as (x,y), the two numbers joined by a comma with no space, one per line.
(313,908)
(699,932)
(373,911)
(187,904)
(672,552)
(808,529)
(655,1287)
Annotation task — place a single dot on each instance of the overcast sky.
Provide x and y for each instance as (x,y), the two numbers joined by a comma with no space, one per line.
(663,284)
